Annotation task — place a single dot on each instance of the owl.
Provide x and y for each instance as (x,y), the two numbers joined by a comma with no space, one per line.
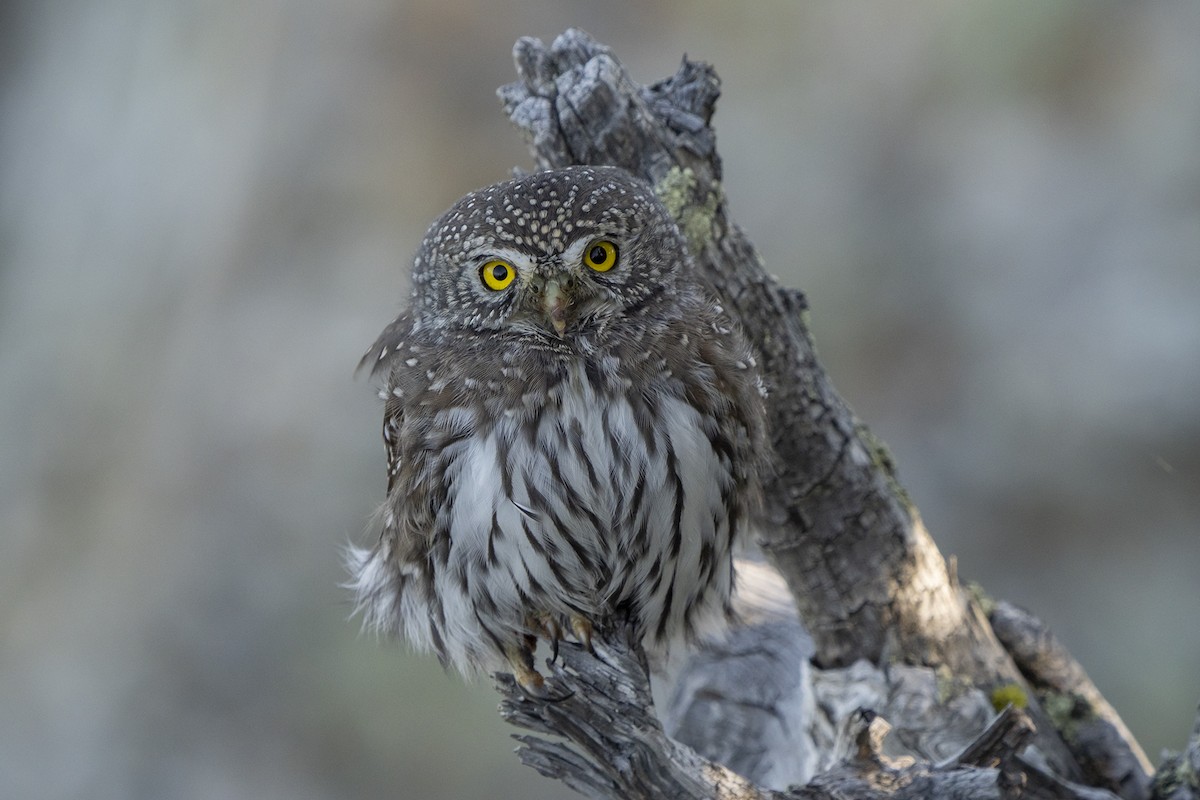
(574,430)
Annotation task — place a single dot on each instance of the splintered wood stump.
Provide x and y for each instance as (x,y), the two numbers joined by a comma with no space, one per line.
(896,643)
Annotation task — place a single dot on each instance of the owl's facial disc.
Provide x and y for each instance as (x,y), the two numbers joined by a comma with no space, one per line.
(547,287)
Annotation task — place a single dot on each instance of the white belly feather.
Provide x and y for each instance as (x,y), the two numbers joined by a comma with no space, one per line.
(595,525)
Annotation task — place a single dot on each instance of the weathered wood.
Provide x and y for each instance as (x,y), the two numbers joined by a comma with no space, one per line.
(1179,776)
(748,701)
(1105,750)
(615,746)
(602,704)
(883,607)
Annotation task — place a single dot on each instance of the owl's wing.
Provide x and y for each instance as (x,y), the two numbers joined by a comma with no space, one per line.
(393,419)
(398,353)
(379,359)
(380,354)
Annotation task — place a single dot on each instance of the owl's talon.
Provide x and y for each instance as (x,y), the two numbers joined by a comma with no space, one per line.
(542,693)
(549,697)
(520,658)
(548,628)
(582,628)
(533,685)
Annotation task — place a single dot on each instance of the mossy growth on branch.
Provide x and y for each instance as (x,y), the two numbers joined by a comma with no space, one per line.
(1009,694)
(694,215)
(1068,712)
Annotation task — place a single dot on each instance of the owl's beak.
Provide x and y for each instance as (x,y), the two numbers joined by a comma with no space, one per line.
(555,302)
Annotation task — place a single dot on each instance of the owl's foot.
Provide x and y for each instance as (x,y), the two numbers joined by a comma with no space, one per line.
(520,658)
(582,628)
(529,680)
(548,628)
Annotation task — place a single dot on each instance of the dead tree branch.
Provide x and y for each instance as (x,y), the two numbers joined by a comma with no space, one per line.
(887,617)
(619,750)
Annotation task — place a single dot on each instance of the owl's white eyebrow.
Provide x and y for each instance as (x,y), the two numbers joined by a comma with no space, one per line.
(574,251)
(514,257)
(522,260)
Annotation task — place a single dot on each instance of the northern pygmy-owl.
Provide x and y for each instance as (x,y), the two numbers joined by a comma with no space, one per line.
(574,429)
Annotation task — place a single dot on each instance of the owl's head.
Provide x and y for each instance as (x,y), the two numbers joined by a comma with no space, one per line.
(550,255)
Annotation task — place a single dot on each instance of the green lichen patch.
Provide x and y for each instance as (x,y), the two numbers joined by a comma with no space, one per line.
(882,459)
(985,602)
(1068,712)
(1175,776)
(1009,694)
(947,686)
(694,214)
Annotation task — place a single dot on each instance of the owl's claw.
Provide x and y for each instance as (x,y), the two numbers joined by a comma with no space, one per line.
(582,628)
(548,627)
(544,694)
(520,658)
(529,680)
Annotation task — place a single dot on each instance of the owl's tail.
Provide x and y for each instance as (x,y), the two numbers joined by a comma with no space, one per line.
(397,601)
(377,591)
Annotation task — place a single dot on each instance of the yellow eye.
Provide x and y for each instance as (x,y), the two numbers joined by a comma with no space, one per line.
(601,255)
(497,275)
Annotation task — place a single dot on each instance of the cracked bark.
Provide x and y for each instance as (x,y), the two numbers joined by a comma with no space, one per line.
(878,599)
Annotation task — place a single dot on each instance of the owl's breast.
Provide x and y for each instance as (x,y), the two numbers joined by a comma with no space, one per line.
(594,496)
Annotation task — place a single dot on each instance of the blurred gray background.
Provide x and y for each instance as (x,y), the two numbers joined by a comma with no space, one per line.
(207,210)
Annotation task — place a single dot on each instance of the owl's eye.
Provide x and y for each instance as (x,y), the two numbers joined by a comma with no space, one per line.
(601,255)
(497,275)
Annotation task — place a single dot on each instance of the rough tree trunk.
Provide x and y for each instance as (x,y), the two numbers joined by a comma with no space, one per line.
(893,634)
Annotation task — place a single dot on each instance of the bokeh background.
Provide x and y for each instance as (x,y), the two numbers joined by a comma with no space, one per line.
(206,214)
